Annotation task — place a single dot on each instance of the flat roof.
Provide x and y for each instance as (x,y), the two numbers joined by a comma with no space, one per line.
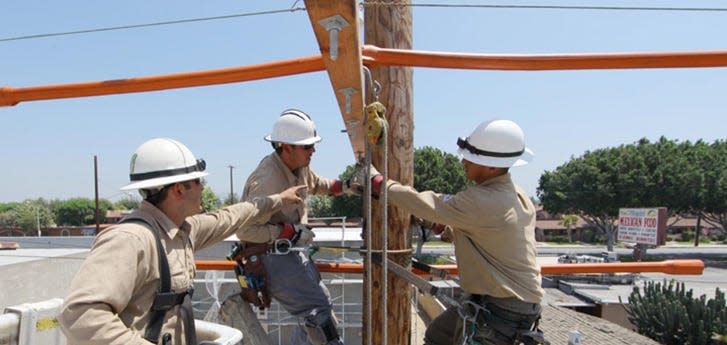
(11,257)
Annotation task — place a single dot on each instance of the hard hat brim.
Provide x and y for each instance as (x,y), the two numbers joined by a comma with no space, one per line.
(307,141)
(497,162)
(163,181)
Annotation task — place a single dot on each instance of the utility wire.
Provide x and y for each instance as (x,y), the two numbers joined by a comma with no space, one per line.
(548,7)
(373,4)
(136,26)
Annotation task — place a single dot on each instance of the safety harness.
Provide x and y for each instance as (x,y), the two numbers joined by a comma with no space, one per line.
(508,327)
(165,298)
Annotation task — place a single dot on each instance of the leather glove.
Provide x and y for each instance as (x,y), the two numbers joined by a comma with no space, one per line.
(297,234)
(447,234)
(358,180)
(343,187)
(436,228)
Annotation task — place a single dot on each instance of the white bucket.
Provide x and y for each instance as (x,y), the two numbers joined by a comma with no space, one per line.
(223,335)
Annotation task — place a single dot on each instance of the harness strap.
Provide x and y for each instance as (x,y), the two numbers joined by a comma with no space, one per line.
(508,325)
(165,298)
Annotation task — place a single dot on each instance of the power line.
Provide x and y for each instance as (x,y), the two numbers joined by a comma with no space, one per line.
(372,4)
(136,26)
(549,7)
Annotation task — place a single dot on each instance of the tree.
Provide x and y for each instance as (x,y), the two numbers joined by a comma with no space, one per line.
(80,211)
(714,200)
(33,214)
(129,203)
(569,220)
(210,201)
(683,177)
(350,206)
(321,206)
(8,215)
(231,199)
(438,171)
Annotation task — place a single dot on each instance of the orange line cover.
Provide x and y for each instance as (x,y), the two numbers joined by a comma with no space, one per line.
(675,267)
(538,62)
(372,56)
(12,96)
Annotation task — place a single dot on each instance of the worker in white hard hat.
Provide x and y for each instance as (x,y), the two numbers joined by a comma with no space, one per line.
(292,279)
(493,223)
(135,285)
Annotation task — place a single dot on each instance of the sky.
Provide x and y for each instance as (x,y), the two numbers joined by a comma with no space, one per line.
(47,147)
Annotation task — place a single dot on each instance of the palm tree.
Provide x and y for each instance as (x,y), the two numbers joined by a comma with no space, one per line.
(569,220)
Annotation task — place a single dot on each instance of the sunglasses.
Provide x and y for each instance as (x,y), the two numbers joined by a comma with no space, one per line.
(306,147)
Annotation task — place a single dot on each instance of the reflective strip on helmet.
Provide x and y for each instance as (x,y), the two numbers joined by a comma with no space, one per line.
(464,144)
(199,166)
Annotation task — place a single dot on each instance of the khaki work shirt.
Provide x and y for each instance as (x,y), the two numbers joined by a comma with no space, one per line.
(273,176)
(112,293)
(494,235)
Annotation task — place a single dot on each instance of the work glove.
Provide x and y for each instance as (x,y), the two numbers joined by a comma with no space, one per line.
(342,187)
(358,180)
(297,234)
(445,231)
(447,234)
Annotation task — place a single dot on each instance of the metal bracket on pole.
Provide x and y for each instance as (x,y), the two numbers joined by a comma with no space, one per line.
(352,132)
(423,285)
(333,25)
(347,93)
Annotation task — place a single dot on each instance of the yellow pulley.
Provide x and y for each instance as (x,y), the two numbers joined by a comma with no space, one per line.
(376,123)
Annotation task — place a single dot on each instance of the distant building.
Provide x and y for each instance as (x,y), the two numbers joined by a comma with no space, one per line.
(113,217)
(549,227)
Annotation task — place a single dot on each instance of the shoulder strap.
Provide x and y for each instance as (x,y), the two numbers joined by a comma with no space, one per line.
(165,299)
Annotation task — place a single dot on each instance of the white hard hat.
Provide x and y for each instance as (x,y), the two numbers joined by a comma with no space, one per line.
(497,144)
(162,161)
(294,127)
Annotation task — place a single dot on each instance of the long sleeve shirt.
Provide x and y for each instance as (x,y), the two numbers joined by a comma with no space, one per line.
(494,235)
(112,293)
(273,176)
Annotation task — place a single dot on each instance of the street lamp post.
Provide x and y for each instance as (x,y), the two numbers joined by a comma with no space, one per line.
(232,194)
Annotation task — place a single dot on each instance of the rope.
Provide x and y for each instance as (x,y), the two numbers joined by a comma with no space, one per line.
(369,239)
(385,235)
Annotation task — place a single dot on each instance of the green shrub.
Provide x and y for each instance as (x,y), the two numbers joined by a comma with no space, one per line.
(558,239)
(669,314)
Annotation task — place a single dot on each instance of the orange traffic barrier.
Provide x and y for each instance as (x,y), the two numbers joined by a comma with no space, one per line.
(374,56)
(12,96)
(675,267)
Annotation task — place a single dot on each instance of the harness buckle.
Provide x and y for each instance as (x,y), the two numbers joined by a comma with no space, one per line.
(163,301)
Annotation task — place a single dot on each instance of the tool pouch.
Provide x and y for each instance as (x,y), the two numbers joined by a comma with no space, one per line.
(253,280)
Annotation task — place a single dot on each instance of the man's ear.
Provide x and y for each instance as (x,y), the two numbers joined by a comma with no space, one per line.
(287,148)
(177,191)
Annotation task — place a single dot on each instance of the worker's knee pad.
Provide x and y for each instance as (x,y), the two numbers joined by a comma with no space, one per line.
(321,329)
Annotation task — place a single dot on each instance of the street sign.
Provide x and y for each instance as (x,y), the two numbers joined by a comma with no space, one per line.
(642,225)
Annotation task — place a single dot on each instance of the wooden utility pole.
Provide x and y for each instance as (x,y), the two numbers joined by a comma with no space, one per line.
(390,27)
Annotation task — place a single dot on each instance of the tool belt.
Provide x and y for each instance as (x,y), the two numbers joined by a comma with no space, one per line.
(250,272)
(501,321)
